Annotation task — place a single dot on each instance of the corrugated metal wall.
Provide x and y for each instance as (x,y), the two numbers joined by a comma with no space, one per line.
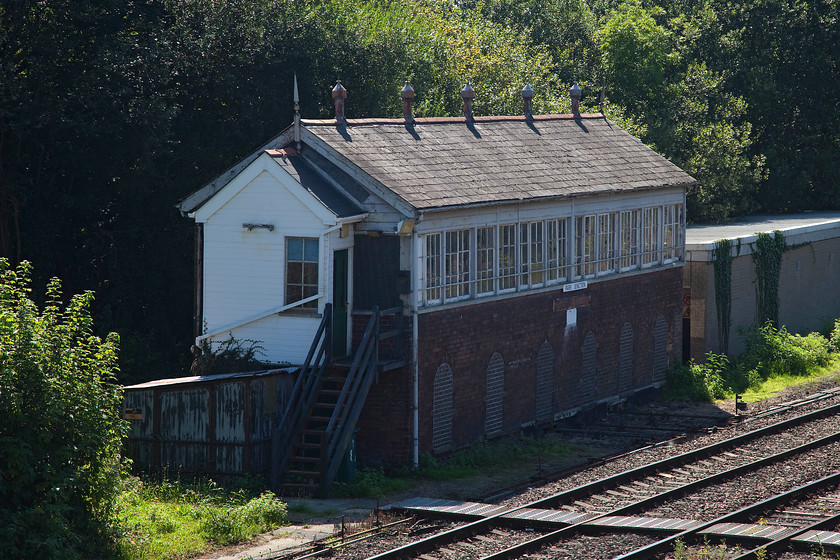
(220,424)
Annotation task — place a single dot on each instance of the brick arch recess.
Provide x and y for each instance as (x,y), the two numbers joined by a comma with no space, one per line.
(625,359)
(660,349)
(494,399)
(442,408)
(544,387)
(589,369)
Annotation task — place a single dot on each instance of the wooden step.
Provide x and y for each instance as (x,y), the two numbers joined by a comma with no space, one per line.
(303,459)
(303,474)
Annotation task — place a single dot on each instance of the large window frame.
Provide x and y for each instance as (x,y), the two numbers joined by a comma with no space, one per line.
(508,257)
(531,254)
(302,271)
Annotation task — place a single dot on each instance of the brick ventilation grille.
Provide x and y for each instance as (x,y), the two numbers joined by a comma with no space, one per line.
(442,409)
(660,355)
(495,397)
(625,359)
(545,383)
(588,369)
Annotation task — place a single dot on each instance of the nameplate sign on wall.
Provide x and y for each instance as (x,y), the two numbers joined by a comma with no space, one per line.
(574,286)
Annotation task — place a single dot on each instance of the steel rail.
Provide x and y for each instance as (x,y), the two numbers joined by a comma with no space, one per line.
(483,523)
(776,544)
(646,552)
(622,477)
(556,475)
(548,538)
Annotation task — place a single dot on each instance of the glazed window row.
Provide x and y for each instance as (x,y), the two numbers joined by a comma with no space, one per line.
(483,261)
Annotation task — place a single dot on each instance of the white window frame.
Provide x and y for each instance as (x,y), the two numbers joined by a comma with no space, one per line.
(532,254)
(651,227)
(585,245)
(606,234)
(630,239)
(485,277)
(556,240)
(508,245)
(456,264)
(672,222)
(433,261)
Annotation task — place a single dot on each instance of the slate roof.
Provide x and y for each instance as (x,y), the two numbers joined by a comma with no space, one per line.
(305,173)
(445,162)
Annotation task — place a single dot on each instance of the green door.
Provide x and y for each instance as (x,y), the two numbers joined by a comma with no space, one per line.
(341,303)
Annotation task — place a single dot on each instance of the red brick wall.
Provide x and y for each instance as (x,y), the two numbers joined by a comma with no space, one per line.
(466,338)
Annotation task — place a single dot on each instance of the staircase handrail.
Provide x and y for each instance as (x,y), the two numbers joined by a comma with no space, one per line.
(351,400)
(303,394)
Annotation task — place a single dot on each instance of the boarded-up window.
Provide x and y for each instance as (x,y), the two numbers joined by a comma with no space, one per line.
(660,356)
(442,409)
(545,383)
(625,359)
(588,390)
(495,397)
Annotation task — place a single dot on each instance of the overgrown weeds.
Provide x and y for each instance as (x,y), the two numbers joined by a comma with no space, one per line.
(771,354)
(173,519)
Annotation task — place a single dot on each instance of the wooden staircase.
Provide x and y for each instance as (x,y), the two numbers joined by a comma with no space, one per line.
(324,406)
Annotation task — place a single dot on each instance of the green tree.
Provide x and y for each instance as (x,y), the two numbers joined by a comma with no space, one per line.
(635,52)
(61,432)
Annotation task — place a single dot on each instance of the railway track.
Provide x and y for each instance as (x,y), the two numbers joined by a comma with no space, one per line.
(644,511)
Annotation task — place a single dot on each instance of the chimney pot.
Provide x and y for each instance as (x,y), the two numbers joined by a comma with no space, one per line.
(468,94)
(407,95)
(575,94)
(527,96)
(339,94)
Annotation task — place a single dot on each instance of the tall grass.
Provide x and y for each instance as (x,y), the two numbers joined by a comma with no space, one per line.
(773,358)
(164,519)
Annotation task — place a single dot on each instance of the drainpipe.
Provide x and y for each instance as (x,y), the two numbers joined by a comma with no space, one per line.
(415,369)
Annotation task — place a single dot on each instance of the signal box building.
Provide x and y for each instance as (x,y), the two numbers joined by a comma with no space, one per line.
(534,263)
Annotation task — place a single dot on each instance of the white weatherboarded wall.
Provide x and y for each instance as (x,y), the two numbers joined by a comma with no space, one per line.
(244,270)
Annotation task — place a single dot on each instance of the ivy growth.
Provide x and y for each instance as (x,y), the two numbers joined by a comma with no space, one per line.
(722,254)
(767,257)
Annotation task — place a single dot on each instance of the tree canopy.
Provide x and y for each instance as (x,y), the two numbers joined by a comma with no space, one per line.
(110,112)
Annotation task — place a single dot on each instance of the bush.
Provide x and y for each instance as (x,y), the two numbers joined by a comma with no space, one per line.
(771,351)
(228,525)
(61,432)
(834,337)
(699,382)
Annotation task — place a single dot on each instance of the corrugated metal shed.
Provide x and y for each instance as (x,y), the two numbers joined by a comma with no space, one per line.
(214,424)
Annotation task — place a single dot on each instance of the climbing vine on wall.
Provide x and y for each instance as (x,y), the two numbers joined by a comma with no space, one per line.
(767,257)
(723,290)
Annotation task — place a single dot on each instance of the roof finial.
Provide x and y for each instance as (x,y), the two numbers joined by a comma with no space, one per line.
(339,94)
(527,96)
(407,95)
(296,99)
(575,94)
(468,93)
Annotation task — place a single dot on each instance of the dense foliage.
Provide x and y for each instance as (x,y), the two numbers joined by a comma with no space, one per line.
(110,112)
(771,353)
(60,433)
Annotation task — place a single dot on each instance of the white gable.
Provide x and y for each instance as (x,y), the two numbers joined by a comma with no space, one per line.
(289,191)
